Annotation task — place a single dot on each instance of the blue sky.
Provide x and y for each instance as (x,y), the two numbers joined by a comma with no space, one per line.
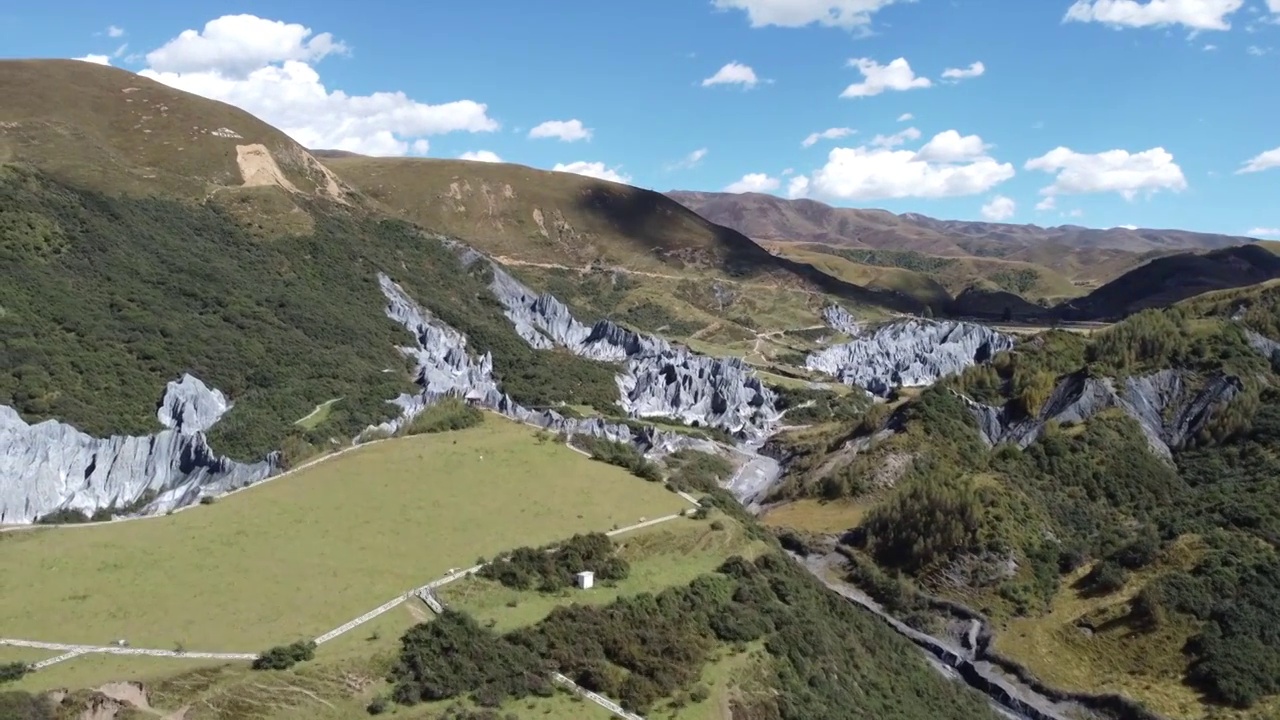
(1100,112)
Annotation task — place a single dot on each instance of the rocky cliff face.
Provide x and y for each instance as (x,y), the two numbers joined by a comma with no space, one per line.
(841,321)
(1168,409)
(53,466)
(659,379)
(446,368)
(908,353)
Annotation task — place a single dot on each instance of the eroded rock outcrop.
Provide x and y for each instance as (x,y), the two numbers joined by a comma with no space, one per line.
(839,319)
(445,368)
(908,353)
(1168,409)
(659,378)
(52,466)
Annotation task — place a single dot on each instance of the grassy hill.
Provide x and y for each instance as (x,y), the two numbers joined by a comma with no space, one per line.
(1167,280)
(1103,566)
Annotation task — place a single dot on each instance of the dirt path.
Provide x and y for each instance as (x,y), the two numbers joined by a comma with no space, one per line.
(583,269)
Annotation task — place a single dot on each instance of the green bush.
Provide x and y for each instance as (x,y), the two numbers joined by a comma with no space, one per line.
(283,657)
(447,414)
(10,672)
(553,567)
(619,454)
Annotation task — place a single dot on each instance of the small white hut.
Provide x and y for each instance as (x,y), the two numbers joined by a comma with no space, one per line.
(585,579)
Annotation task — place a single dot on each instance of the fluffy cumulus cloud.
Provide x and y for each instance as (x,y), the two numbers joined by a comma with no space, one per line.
(566,130)
(266,67)
(1266,232)
(834,133)
(115,31)
(1000,208)
(949,165)
(1261,161)
(1193,14)
(957,74)
(1117,171)
(877,78)
(96,59)
(596,170)
(798,187)
(734,73)
(846,14)
(488,156)
(754,182)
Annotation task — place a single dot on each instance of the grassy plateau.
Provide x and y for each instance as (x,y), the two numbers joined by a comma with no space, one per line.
(295,557)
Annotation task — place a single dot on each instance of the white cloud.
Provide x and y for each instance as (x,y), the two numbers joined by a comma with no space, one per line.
(1256,51)
(788,171)
(236,45)
(1194,14)
(488,156)
(877,78)
(114,31)
(262,66)
(1127,227)
(97,59)
(1261,161)
(1211,47)
(1049,203)
(734,73)
(566,130)
(904,117)
(872,172)
(1265,232)
(950,146)
(1273,6)
(974,70)
(834,133)
(419,147)
(595,170)
(798,187)
(689,161)
(1000,208)
(754,182)
(798,13)
(896,139)
(1115,171)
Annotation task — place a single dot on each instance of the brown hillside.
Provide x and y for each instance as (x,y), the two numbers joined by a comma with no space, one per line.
(110,130)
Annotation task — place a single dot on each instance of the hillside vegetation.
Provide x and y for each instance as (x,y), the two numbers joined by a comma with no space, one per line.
(1171,567)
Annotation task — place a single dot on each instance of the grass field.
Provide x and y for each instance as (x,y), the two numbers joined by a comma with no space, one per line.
(816,516)
(295,557)
(662,556)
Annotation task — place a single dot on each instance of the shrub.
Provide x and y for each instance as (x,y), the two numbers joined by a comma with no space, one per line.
(445,415)
(10,672)
(283,657)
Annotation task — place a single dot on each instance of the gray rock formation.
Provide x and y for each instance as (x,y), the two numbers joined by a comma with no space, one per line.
(908,353)
(839,319)
(53,466)
(658,379)
(1169,410)
(445,368)
(189,406)
(1269,348)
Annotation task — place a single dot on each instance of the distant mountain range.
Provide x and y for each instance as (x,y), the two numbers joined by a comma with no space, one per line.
(770,218)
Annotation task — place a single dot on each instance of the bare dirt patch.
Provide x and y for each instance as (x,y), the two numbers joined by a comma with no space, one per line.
(258,167)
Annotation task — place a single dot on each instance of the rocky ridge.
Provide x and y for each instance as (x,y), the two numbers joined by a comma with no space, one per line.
(52,466)
(660,379)
(1165,404)
(905,353)
(445,368)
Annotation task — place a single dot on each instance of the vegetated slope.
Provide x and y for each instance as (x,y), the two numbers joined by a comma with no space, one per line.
(1106,565)
(767,217)
(1166,280)
(574,222)
(105,296)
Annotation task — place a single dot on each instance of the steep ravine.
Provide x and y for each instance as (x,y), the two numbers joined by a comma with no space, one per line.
(1009,687)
